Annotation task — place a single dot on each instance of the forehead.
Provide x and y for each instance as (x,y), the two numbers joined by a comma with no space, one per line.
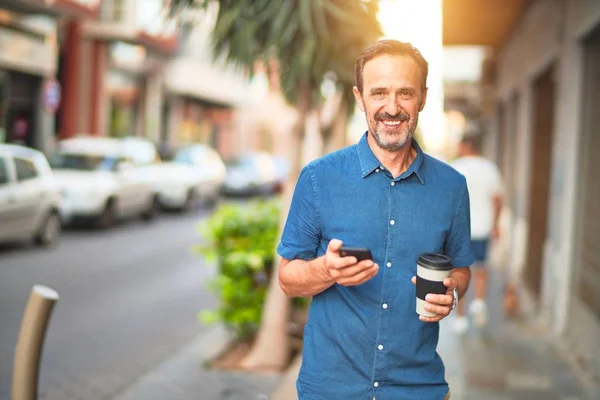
(391,70)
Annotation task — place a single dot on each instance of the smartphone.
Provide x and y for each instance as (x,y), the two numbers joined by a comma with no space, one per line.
(361,253)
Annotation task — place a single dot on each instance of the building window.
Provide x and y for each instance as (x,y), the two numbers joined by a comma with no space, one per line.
(113,10)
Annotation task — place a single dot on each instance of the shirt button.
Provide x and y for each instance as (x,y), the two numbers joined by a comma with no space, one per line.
(389,264)
(376,384)
(384,305)
(393,183)
(377,170)
(381,168)
(392,222)
(380,347)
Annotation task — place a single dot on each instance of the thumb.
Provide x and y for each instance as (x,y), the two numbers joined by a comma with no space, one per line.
(414,280)
(335,245)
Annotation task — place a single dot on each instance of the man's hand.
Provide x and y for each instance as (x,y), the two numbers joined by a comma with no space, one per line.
(346,271)
(441,304)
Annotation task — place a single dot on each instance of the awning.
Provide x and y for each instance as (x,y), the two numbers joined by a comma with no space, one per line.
(88,9)
(118,32)
(204,81)
(480,22)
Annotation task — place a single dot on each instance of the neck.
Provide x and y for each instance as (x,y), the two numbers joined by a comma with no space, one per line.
(397,162)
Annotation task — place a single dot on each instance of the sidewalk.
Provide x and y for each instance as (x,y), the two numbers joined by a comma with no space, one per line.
(509,360)
(183,376)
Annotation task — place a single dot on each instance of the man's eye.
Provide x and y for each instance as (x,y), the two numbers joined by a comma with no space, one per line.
(406,94)
(378,95)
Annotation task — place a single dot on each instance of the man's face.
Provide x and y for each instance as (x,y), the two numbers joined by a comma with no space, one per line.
(392,98)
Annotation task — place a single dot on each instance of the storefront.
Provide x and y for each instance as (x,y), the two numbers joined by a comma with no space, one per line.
(584,322)
(27,63)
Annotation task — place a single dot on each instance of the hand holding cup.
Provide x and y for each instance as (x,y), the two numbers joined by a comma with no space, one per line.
(434,287)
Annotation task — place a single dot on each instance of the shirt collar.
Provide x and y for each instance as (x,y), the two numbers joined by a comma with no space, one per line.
(369,163)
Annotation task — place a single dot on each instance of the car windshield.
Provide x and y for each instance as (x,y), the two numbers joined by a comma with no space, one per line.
(83,162)
(242,162)
(189,156)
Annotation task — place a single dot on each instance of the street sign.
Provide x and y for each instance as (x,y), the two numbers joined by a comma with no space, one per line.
(51,95)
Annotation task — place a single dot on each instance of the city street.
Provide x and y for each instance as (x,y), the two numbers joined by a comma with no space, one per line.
(129,299)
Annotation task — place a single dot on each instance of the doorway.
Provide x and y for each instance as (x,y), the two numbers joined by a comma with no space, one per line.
(588,230)
(539,189)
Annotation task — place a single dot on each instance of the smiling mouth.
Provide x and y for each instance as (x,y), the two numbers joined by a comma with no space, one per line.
(391,123)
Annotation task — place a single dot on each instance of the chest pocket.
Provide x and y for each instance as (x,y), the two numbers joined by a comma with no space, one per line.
(425,220)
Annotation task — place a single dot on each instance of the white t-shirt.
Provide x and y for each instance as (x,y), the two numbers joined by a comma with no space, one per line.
(483,182)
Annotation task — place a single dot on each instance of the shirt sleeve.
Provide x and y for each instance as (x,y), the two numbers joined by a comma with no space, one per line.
(301,234)
(458,243)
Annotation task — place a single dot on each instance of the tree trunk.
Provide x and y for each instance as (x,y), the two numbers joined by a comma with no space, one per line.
(334,133)
(271,349)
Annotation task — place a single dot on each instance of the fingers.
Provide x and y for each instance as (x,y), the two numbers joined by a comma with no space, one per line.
(431,319)
(439,299)
(335,245)
(450,283)
(356,275)
(441,311)
(439,304)
(338,263)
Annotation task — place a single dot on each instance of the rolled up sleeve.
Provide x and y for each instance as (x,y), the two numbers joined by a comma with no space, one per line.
(301,234)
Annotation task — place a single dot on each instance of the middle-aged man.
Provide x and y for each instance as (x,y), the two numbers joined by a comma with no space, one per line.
(363,338)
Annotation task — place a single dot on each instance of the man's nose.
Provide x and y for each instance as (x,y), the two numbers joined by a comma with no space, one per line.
(392,107)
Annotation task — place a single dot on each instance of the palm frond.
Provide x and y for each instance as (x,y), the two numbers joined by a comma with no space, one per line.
(311,38)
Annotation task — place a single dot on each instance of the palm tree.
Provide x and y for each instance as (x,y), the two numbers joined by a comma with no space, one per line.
(312,40)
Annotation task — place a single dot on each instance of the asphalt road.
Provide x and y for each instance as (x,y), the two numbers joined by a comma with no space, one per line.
(129,298)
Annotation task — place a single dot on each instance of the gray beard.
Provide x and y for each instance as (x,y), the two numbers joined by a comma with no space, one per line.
(395,145)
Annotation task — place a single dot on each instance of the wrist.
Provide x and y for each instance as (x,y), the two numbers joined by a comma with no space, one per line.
(319,268)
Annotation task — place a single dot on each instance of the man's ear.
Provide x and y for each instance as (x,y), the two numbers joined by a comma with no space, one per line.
(359,99)
(423,100)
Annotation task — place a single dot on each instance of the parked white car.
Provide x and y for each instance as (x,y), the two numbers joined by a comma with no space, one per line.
(29,196)
(252,173)
(193,174)
(101,181)
(202,170)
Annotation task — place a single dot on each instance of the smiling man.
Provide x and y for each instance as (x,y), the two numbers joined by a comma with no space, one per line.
(363,338)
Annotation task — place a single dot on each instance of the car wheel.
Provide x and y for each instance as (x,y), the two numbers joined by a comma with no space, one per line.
(109,216)
(50,231)
(190,201)
(214,200)
(152,211)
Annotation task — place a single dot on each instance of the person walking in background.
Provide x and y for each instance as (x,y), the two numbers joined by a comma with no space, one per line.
(485,193)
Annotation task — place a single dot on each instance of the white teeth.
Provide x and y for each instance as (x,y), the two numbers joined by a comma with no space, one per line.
(392,123)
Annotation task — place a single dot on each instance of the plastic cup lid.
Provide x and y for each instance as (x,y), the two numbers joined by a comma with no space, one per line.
(435,261)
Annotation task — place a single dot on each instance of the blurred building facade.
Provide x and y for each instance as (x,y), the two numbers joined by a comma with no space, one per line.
(540,91)
(122,62)
(32,33)
(116,68)
(203,95)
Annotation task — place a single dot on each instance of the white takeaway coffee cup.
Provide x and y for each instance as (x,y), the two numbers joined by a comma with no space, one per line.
(432,269)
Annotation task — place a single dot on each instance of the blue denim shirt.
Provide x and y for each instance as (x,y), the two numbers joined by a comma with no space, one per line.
(367,340)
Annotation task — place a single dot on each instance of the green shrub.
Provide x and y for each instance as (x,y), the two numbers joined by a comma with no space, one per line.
(242,240)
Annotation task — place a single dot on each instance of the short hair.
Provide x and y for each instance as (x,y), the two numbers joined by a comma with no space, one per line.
(472,139)
(394,48)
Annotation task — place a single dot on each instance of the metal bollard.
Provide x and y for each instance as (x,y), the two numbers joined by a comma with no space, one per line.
(31,342)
